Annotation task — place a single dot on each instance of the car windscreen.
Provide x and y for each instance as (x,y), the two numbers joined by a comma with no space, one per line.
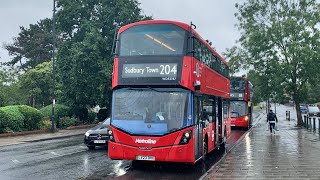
(151,111)
(106,122)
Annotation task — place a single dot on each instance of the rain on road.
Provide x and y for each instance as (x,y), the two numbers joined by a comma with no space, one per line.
(69,158)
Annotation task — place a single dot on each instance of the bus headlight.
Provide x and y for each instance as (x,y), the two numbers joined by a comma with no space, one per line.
(185,137)
(246,118)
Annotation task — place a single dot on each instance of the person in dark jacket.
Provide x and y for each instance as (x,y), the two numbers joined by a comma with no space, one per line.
(272,119)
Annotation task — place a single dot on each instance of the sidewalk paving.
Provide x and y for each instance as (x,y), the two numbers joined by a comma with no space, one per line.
(293,153)
(11,140)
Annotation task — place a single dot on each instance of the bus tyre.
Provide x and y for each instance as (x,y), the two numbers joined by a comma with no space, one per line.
(224,141)
(205,149)
(135,163)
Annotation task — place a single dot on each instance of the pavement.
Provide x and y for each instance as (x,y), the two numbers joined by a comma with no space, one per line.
(292,153)
(12,140)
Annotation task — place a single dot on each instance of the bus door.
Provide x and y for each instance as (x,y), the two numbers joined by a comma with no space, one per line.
(250,113)
(198,127)
(215,121)
(220,120)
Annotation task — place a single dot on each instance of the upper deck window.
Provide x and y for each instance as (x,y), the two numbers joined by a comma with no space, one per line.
(237,83)
(153,39)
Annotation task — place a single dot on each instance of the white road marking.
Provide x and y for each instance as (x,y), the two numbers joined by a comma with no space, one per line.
(54,153)
(66,154)
(15,161)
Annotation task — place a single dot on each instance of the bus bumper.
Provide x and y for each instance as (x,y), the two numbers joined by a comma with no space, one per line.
(176,153)
(239,123)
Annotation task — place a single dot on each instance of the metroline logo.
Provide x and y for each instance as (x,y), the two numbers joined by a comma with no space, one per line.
(145,141)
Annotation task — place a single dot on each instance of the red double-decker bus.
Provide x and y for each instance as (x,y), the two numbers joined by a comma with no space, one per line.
(171,93)
(241,94)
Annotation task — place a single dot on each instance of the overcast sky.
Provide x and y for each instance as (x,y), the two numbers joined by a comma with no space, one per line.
(214,19)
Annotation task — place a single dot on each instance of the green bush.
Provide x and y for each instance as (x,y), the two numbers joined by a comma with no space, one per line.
(7,130)
(92,117)
(45,124)
(3,120)
(67,122)
(81,113)
(31,115)
(12,118)
(60,111)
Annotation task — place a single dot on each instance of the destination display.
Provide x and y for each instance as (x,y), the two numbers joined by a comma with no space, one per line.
(157,70)
(238,96)
(160,70)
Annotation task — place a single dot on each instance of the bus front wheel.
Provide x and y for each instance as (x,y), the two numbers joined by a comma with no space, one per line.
(205,149)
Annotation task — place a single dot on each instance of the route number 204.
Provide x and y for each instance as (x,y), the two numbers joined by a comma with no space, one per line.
(167,69)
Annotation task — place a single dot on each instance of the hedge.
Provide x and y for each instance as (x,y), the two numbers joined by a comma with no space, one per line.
(45,123)
(67,122)
(32,117)
(91,117)
(11,119)
(60,111)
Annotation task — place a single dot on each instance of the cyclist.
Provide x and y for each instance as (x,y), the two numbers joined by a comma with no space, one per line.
(272,119)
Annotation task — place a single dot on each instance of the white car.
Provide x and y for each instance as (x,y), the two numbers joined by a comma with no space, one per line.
(313,111)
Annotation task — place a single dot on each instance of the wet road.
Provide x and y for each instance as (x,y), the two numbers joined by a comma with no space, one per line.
(69,158)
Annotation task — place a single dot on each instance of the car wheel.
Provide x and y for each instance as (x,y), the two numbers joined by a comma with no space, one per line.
(92,147)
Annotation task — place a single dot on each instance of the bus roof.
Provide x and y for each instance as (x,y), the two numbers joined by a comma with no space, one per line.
(239,77)
(180,24)
(242,77)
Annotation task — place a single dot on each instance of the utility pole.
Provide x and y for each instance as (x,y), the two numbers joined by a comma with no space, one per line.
(53,64)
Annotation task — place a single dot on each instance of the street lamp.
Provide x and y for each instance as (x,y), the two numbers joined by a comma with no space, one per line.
(53,65)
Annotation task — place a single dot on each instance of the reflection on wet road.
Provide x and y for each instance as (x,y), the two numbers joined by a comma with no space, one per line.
(69,159)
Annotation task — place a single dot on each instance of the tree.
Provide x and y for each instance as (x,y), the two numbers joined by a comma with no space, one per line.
(33,45)
(37,84)
(85,59)
(10,92)
(280,39)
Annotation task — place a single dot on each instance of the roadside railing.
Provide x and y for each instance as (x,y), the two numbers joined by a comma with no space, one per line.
(311,123)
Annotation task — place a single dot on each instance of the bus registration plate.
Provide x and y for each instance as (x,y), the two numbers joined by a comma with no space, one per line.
(146,158)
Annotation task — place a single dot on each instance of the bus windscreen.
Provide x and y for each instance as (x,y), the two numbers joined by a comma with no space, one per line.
(150,112)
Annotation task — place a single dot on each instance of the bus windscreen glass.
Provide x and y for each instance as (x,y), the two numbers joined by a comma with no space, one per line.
(238,108)
(151,111)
